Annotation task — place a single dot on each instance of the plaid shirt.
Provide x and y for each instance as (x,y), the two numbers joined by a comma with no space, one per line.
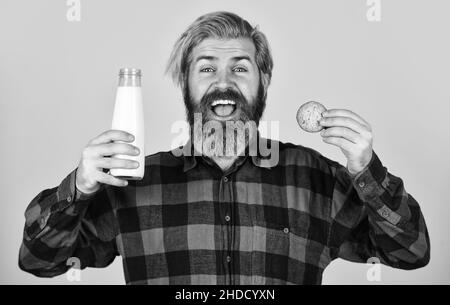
(187,222)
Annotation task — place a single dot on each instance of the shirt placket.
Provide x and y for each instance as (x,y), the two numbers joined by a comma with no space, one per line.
(227,226)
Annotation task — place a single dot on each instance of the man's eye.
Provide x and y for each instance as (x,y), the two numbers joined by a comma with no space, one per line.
(239,69)
(207,70)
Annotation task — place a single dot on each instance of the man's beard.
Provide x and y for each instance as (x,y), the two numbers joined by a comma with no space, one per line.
(226,142)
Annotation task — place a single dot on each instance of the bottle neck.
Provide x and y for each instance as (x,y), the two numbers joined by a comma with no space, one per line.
(129,81)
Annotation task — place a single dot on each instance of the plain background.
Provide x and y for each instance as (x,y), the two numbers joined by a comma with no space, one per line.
(58,82)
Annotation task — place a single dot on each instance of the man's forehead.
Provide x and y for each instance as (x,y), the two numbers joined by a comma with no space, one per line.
(224,47)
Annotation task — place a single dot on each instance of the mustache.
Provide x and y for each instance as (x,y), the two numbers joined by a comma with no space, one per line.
(248,111)
(228,94)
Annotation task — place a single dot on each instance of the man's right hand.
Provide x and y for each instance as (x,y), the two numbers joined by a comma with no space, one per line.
(95,158)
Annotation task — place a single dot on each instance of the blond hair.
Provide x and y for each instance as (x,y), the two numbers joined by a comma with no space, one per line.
(220,25)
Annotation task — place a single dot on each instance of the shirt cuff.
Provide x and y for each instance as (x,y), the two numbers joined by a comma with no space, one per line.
(368,181)
(65,194)
(369,186)
(64,201)
(68,193)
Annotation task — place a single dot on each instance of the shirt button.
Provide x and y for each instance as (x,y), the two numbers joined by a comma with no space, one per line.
(228,259)
(385,214)
(362,184)
(225,179)
(69,199)
(227,218)
(286,230)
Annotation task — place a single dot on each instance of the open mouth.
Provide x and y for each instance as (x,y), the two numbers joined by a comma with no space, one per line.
(223,108)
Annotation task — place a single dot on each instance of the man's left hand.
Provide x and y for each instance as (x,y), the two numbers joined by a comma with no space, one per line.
(351,133)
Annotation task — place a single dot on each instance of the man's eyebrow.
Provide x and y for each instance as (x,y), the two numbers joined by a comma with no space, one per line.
(206,57)
(238,58)
(212,58)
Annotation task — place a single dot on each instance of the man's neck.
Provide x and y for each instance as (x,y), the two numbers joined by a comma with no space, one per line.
(224,162)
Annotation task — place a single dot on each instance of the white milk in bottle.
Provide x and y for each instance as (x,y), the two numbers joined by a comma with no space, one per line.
(129,116)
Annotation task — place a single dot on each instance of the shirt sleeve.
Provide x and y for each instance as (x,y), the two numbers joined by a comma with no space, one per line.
(63,223)
(374,217)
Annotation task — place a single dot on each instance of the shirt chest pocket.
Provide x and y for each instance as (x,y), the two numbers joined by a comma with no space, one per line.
(270,237)
(277,246)
(285,246)
(280,237)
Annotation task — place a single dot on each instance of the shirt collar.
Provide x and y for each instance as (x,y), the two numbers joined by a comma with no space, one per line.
(186,153)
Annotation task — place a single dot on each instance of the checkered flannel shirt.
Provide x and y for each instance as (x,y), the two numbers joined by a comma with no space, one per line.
(187,222)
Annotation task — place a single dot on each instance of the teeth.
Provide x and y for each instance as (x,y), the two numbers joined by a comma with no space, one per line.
(223,102)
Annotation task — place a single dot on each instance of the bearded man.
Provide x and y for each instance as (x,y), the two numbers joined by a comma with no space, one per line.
(217,213)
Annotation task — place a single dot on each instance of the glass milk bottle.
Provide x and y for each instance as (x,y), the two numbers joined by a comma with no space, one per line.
(129,116)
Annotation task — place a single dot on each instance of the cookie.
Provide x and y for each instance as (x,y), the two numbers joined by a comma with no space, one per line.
(308,116)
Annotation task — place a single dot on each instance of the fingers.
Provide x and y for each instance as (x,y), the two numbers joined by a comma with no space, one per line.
(93,168)
(116,163)
(346,113)
(340,121)
(112,135)
(341,132)
(339,142)
(351,133)
(111,180)
(115,148)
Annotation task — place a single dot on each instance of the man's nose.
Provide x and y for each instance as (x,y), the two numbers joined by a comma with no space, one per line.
(223,80)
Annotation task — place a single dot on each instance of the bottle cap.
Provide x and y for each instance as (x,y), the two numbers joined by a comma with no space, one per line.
(130,72)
